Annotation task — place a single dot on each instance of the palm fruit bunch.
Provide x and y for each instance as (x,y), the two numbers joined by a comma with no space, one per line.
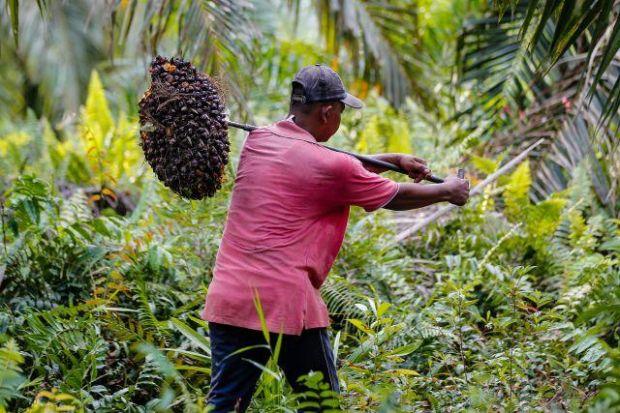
(183,128)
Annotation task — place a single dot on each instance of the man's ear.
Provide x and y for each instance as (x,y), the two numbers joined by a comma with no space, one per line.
(325,112)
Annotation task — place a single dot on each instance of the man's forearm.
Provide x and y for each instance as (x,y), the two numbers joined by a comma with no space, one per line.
(393,158)
(411,196)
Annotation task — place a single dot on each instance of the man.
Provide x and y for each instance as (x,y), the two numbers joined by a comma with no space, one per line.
(287,219)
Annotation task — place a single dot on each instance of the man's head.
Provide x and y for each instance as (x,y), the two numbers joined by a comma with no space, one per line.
(318,98)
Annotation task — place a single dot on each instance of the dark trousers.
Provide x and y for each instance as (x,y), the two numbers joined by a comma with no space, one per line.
(234,380)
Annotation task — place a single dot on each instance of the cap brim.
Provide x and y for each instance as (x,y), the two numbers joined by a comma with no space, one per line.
(352,102)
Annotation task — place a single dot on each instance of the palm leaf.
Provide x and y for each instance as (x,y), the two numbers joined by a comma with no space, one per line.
(384,42)
(55,54)
(523,92)
(65,41)
(216,35)
(571,27)
(13,7)
(14,10)
(609,53)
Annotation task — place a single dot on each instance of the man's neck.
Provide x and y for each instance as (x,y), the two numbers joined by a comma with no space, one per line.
(305,125)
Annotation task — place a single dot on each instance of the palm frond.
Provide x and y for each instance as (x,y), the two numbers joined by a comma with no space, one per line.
(217,35)
(576,25)
(383,41)
(53,57)
(519,95)
(60,43)
(12,7)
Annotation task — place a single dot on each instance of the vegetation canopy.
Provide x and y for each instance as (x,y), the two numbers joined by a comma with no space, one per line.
(511,303)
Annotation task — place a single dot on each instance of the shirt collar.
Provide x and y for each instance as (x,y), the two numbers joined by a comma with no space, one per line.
(287,127)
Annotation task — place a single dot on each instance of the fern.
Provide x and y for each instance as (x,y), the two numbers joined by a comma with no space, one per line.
(317,395)
(11,378)
(55,401)
(342,299)
(543,218)
(70,351)
(516,192)
(384,132)
(146,312)
(150,379)
(485,165)
(75,209)
(96,116)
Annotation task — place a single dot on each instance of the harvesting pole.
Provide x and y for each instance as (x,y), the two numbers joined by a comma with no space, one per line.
(365,159)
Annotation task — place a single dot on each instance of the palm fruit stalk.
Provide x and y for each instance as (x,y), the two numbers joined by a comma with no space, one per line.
(183,128)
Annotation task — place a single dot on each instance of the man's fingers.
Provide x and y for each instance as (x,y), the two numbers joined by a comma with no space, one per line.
(417,177)
(417,169)
(422,169)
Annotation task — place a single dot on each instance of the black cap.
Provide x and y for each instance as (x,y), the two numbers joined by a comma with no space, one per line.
(319,83)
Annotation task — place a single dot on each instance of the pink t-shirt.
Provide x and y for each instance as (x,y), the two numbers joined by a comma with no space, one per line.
(286,222)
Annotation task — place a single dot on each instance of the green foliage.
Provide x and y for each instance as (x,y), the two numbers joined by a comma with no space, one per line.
(516,194)
(96,117)
(105,309)
(511,304)
(11,378)
(109,146)
(527,70)
(67,352)
(540,220)
(318,396)
(484,165)
(53,401)
(384,132)
(55,257)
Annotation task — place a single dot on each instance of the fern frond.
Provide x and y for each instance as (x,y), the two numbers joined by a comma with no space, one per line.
(516,192)
(75,209)
(146,309)
(10,373)
(97,119)
(341,297)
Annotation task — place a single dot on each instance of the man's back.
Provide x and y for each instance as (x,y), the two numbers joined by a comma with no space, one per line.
(286,223)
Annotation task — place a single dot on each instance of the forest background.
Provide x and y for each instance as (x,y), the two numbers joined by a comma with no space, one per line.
(511,303)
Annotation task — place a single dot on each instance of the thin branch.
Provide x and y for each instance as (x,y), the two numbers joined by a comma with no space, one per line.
(4,241)
(477,190)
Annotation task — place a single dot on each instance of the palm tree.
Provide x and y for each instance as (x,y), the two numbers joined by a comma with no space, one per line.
(535,68)
(547,69)
(55,46)
(386,44)
(391,43)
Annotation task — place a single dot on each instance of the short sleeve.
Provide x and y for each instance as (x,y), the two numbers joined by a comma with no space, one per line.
(363,188)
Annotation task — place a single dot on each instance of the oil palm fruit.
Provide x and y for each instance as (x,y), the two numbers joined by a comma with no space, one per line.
(183,129)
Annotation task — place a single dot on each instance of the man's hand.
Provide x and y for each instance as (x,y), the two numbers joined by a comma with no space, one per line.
(415,167)
(410,196)
(458,190)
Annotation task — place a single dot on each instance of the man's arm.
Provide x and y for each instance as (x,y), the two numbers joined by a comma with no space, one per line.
(416,167)
(411,196)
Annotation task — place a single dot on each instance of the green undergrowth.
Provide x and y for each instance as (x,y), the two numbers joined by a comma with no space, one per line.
(506,305)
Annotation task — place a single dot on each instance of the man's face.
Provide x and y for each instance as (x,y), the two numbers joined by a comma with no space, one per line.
(330,117)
